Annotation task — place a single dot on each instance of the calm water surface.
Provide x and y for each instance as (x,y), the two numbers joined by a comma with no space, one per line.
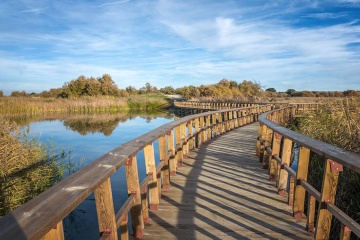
(88,137)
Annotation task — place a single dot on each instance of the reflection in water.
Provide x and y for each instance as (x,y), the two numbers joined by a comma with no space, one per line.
(108,131)
(93,123)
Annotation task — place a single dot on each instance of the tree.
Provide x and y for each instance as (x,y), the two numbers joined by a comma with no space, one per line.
(233,84)
(270,90)
(131,90)
(290,91)
(250,88)
(18,94)
(167,90)
(1,93)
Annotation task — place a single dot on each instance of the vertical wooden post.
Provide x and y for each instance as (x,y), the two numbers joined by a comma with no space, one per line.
(236,123)
(105,208)
(124,231)
(144,204)
(328,193)
(268,140)
(273,168)
(151,169)
(221,131)
(258,143)
(226,118)
(285,160)
(56,233)
(171,148)
(291,191)
(310,216)
(132,182)
(230,125)
(165,171)
(262,144)
(345,232)
(191,135)
(215,127)
(302,173)
(202,131)
(197,130)
(184,140)
(208,125)
(179,152)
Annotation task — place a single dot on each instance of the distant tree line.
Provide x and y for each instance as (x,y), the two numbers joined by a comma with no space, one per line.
(224,89)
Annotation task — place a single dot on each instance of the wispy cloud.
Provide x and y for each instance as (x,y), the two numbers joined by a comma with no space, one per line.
(111,3)
(34,10)
(166,42)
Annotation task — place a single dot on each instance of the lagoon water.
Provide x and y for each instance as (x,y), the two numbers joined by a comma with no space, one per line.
(89,136)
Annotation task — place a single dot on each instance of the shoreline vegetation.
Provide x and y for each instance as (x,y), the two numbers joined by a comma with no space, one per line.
(336,123)
(107,104)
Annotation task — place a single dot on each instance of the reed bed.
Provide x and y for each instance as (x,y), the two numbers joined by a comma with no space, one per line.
(32,105)
(28,167)
(337,123)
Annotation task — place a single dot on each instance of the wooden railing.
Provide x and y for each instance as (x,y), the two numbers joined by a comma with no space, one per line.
(275,145)
(300,107)
(42,216)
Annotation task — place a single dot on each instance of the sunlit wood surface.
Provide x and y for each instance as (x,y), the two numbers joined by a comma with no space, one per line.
(222,192)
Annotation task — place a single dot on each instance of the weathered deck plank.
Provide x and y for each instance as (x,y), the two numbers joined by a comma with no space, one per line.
(222,192)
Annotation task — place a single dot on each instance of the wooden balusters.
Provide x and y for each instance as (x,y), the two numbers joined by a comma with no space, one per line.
(310,216)
(132,182)
(273,165)
(220,120)
(184,140)
(56,233)
(165,171)
(345,232)
(258,142)
(190,135)
(202,131)
(285,161)
(179,147)
(151,170)
(268,141)
(214,124)
(208,125)
(328,192)
(197,132)
(171,148)
(301,174)
(105,208)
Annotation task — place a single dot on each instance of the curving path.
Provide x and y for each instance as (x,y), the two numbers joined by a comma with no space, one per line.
(222,192)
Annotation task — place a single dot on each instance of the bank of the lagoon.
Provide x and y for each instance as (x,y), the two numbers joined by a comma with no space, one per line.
(87,137)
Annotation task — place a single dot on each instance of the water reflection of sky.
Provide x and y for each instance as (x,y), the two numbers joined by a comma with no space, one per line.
(82,223)
(92,145)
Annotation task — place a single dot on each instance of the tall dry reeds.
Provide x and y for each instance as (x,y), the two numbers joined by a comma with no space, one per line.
(27,167)
(34,105)
(338,123)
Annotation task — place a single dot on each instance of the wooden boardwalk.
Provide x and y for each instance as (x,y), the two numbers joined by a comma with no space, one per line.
(222,192)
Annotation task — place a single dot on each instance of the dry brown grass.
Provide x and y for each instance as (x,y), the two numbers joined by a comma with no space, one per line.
(27,168)
(337,123)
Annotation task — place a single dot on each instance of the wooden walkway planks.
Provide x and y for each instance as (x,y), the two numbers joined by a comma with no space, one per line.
(222,192)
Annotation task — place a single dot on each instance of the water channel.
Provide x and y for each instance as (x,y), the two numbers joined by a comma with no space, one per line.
(87,137)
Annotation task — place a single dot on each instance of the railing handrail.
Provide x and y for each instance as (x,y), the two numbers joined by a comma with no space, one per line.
(342,156)
(271,139)
(38,216)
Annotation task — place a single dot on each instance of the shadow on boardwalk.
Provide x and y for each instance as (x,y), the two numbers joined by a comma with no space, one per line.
(222,192)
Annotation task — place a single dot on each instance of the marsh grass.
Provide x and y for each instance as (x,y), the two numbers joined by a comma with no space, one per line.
(35,105)
(28,167)
(336,123)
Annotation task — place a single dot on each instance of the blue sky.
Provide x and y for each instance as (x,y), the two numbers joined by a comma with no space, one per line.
(305,45)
